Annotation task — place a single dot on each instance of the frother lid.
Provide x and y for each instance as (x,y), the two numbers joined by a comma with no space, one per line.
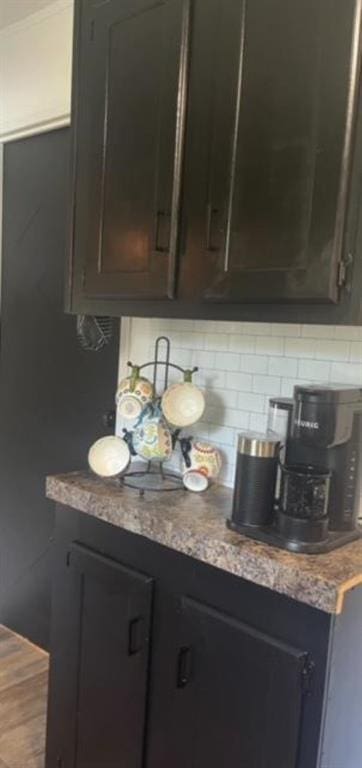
(258,445)
(281,403)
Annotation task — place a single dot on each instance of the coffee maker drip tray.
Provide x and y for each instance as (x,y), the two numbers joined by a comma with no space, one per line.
(269,534)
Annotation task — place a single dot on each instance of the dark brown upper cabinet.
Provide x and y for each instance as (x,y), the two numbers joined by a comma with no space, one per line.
(267,146)
(129,117)
(218,159)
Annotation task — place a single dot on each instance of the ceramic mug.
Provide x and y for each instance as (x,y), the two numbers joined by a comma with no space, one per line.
(134,393)
(195,481)
(183,404)
(109,456)
(202,457)
(152,439)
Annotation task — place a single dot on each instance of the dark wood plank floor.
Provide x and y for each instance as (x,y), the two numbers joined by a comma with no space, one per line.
(23,697)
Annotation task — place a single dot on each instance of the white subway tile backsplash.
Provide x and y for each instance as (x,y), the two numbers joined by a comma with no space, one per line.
(241,343)
(289,384)
(269,345)
(202,359)
(223,435)
(216,398)
(235,418)
(249,401)
(331,350)
(242,365)
(267,385)
(314,370)
(225,326)
(216,342)
(173,324)
(348,333)
(253,363)
(227,475)
(256,329)
(193,340)
(202,430)
(227,361)
(282,366)
(239,381)
(201,326)
(184,358)
(346,373)
(318,331)
(258,422)
(286,329)
(299,348)
(355,352)
(287,387)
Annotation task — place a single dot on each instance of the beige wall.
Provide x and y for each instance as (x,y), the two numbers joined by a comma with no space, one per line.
(14,10)
(35,71)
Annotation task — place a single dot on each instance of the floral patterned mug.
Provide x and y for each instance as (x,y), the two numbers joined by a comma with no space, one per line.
(134,393)
(152,439)
(201,457)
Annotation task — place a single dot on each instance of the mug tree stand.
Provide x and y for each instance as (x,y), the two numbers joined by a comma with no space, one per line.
(152,476)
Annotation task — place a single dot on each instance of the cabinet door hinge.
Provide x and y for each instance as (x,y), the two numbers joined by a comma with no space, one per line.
(83,277)
(342,271)
(307,675)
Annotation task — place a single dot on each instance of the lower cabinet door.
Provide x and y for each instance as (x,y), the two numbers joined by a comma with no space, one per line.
(98,679)
(224,694)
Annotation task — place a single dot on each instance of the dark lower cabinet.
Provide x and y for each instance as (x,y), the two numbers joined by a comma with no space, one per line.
(99,719)
(226,694)
(158,660)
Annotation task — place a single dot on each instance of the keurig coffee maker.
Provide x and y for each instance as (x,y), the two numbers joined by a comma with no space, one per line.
(326,432)
(318,489)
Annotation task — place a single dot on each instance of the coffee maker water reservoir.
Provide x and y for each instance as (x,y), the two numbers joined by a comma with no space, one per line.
(326,431)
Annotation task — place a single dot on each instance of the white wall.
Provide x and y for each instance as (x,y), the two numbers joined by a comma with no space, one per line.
(242,365)
(35,71)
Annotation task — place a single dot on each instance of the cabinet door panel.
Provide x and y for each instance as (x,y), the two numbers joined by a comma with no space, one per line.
(231,696)
(108,650)
(129,145)
(278,216)
(217,27)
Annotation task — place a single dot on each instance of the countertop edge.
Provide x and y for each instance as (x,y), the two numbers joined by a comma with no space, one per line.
(332,596)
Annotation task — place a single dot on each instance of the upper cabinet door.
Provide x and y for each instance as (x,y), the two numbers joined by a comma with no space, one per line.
(129,107)
(273,85)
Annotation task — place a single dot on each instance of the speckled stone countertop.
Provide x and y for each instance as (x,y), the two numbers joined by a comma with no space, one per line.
(195,525)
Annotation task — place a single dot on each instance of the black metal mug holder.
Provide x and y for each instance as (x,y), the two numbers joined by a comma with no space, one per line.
(154,478)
